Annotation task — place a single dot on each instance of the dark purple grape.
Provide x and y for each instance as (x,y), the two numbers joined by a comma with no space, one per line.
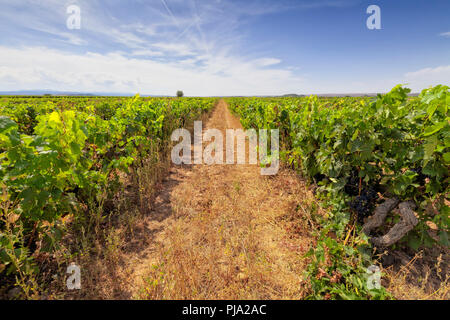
(364,203)
(420,178)
(352,186)
(319,177)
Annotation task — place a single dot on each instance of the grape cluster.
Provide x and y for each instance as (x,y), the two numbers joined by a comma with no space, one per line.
(364,203)
(319,177)
(420,176)
(352,186)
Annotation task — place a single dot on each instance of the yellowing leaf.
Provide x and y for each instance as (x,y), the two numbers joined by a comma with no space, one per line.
(54,117)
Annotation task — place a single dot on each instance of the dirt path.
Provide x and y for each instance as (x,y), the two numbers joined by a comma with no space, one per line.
(222,232)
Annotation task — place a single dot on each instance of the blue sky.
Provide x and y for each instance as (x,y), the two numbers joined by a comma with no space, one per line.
(223,47)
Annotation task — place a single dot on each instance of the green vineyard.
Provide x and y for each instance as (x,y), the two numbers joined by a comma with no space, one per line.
(64,160)
(224,159)
(360,151)
(62,156)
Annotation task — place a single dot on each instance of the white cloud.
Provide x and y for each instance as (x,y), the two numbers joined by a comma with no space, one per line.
(146,52)
(178,49)
(416,80)
(39,67)
(426,77)
(195,46)
(205,75)
(264,62)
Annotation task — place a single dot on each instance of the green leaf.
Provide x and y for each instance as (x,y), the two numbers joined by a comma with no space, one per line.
(355,135)
(443,237)
(446,157)
(414,242)
(431,109)
(6,123)
(429,147)
(75,148)
(433,129)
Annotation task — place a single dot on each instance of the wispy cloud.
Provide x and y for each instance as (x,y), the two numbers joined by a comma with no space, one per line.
(65,36)
(193,45)
(201,47)
(265,62)
(38,67)
(177,49)
(426,77)
(149,53)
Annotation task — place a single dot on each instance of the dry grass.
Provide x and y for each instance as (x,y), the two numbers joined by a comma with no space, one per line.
(423,276)
(100,245)
(229,234)
(216,232)
(122,233)
(231,243)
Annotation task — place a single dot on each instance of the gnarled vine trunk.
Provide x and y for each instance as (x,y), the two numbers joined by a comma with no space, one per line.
(400,229)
